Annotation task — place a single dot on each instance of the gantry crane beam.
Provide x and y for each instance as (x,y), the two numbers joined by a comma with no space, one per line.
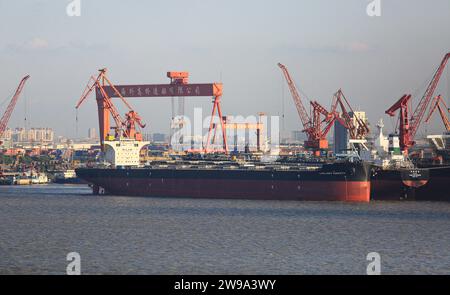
(179,86)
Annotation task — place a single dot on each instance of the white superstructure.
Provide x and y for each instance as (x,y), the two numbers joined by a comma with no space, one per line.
(124,152)
(381,141)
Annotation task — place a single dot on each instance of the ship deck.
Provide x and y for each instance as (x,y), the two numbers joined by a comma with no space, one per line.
(235,166)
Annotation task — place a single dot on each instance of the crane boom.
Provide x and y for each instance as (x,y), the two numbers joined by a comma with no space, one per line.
(439,104)
(419,112)
(124,126)
(312,124)
(306,121)
(409,126)
(406,141)
(5,118)
(317,112)
(94,83)
(358,130)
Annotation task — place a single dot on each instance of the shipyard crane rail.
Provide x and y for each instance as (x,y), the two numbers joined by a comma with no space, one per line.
(7,115)
(440,105)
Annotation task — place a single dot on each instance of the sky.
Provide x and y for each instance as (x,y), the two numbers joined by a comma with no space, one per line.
(326,45)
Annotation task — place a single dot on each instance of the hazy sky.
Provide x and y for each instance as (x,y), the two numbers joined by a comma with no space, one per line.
(325,44)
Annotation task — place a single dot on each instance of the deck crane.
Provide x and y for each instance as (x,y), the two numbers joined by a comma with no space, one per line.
(409,125)
(312,124)
(439,104)
(356,131)
(5,118)
(125,127)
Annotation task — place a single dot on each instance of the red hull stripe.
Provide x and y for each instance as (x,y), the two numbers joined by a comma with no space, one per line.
(415,183)
(353,191)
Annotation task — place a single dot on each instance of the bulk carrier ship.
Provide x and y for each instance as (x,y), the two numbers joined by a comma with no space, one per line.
(336,181)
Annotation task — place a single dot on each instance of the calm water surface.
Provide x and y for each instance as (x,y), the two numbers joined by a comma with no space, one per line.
(39,225)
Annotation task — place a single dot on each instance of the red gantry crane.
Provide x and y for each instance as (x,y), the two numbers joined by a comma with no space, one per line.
(179,86)
(7,115)
(312,124)
(409,126)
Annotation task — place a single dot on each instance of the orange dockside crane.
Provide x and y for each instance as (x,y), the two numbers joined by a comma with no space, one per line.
(125,127)
(408,126)
(312,124)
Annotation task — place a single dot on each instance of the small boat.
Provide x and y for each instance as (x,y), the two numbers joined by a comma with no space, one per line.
(67,177)
(39,178)
(22,180)
(6,180)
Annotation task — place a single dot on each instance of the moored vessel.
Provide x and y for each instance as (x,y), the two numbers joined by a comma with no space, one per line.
(67,177)
(338,181)
(424,184)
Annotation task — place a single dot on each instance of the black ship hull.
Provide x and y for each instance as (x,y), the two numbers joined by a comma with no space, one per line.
(330,182)
(421,184)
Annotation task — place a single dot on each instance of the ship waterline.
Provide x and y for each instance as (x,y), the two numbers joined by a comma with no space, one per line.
(329,182)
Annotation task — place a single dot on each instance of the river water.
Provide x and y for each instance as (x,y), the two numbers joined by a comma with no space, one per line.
(40,225)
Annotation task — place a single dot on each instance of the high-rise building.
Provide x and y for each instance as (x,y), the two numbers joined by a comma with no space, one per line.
(298,136)
(159,137)
(360,116)
(341,138)
(92,133)
(7,135)
(45,135)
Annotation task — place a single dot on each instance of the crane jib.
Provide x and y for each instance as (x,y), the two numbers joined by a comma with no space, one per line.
(5,118)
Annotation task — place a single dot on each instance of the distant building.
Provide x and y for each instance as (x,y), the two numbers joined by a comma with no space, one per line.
(43,135)
(92,133)
(341,138)
(298,136)
(159,137)
(342,134)
(147,136)
(361,116)
(7,135)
